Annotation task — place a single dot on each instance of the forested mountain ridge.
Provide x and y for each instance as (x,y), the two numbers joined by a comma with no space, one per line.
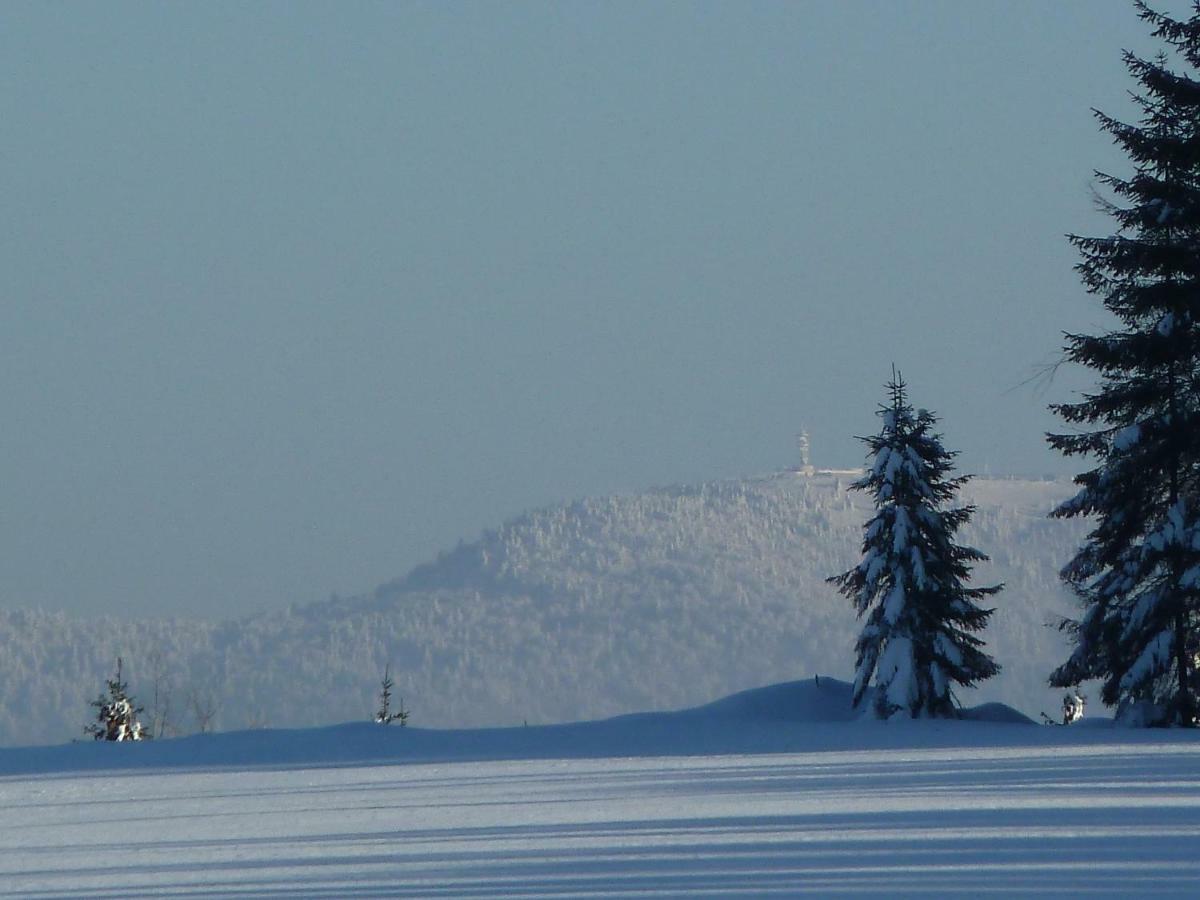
(662,599)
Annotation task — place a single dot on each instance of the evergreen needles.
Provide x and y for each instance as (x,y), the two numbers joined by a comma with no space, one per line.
(1138,573)
(912,582)
(116,714)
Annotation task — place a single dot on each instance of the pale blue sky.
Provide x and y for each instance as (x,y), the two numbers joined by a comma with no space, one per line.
(295,295)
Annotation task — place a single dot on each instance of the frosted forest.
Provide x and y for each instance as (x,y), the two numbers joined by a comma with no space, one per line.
(593,608)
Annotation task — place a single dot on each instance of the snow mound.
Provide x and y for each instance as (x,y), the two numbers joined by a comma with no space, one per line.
(996,712)
(807,715)
(821,699)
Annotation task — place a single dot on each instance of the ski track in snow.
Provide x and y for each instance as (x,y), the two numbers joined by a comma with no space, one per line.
(1117,819)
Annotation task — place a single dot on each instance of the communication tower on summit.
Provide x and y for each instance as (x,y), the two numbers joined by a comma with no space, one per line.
(806,466)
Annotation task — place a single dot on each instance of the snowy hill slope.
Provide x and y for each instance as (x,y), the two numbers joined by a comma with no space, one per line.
(759,720)
(810,715)
(590,609)
(769,792)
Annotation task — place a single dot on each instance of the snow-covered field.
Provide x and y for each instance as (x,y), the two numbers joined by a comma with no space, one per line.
(774,792)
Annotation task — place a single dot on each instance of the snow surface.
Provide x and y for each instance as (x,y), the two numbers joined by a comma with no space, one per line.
(780,791)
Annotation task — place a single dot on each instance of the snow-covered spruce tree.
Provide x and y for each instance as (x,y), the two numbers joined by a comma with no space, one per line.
(1138,573)
(912,582)
(116,715)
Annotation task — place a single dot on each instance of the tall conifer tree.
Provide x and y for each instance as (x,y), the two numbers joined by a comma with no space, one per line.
(912,582)
(1138,574)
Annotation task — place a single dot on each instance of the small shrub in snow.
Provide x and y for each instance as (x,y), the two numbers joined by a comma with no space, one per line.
(385,716)
(1073,704)
(1072,709)
(912,582)
(116,714)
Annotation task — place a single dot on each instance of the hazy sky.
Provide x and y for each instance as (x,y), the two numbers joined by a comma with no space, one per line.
(295,295)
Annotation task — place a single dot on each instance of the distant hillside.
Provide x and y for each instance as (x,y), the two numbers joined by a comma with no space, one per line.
(657,600)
